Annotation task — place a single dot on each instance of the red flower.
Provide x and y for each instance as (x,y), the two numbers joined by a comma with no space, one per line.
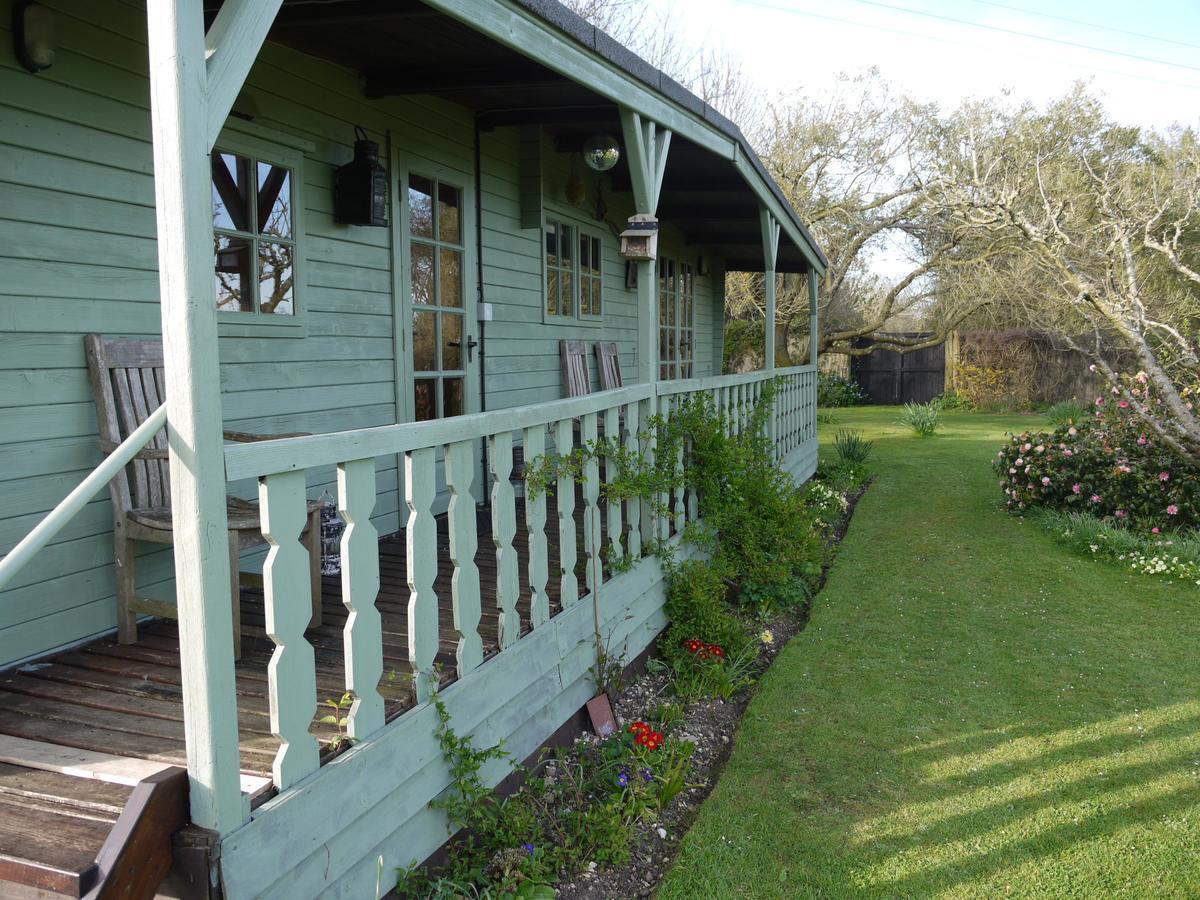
(653,740)
(716,651)
(694,645)
(639,728)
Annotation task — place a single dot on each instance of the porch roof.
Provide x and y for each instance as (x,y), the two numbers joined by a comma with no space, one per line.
(714,183)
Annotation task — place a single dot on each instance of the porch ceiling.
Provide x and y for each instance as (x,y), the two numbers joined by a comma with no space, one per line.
(406,47)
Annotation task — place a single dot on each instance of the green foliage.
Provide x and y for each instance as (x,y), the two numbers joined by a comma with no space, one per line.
(923,418)
(1165,556)
(1067,412)
(743,342)
(696,676)
(954,400)
(1108,467)
(697,609)
(339,720)
(837,390)
(852,447)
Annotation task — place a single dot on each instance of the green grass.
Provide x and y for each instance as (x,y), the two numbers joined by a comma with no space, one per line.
(973,710)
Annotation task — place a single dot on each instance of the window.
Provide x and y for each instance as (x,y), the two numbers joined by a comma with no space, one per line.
(254,235)
(574,285)
(676,319)
(435,228)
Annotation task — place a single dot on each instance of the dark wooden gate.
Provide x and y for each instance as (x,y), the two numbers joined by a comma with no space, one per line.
(888,377)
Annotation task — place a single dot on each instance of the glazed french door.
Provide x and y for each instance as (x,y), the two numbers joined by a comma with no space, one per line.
(676,319)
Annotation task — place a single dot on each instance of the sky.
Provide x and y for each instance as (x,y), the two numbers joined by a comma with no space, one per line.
(1149,77)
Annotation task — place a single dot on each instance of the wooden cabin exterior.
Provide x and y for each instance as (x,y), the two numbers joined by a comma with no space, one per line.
(170,176)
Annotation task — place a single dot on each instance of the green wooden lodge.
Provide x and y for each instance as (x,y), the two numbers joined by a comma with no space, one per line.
(379,231)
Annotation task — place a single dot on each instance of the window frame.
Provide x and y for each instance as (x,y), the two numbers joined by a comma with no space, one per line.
(556,218)
(282,150)
(682,294)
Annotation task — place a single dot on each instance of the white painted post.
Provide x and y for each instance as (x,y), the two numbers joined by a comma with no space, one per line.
(178,110)
(535,525)
(612,435)
(363,634)
(568,554)
(420,534)
(770,245)
(588,430)
(633,509)
(813,342)
(504,529)
(466,599)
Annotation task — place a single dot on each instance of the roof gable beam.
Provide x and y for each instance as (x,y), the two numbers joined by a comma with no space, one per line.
(231,46)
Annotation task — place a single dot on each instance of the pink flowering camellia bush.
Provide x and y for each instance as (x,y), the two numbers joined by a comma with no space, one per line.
(1108,466)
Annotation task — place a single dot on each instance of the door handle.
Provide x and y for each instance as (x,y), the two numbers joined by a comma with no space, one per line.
(471,345)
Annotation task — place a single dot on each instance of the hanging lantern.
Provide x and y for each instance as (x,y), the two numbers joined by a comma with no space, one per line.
(360,187)
(640,240)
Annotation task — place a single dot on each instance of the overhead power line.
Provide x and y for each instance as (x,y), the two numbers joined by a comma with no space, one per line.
(1086,23)
(791,10)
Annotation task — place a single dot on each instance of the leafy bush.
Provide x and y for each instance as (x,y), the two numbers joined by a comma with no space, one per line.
(837,390)
(697,609)
(1107,467)
(995,388)
(852,447)
(1067,412)
(923,418)
(954,400)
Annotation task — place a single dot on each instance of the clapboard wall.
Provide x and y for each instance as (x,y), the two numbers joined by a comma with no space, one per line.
(78,254)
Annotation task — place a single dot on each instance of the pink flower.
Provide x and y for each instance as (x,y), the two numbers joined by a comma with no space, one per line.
(1142,377)
(1045,480)
(1040,448)
(1068,453)
(1077,488)
(1154,530)
(1142,441)
(1124,404)
(1164,476)
(1172,510)
(1121,514)
(1099,401)
(1071,431)
(1026,447)
(1019,462)
(1095,498)
(1012,471)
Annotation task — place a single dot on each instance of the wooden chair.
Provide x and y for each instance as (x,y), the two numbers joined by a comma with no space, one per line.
(128,384)
(608,364)
(576,378)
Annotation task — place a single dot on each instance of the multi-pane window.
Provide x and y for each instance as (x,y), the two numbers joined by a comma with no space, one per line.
(676,319)
(254,234)
(435,223)
(573,282)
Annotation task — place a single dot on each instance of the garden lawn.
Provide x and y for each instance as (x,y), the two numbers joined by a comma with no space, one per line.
(972,710)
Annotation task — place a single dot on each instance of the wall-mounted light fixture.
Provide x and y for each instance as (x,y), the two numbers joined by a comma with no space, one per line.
(360,187)
(33,35)
(601,152)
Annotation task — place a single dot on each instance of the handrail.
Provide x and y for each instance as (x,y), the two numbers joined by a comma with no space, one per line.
(290,454)
(58,517)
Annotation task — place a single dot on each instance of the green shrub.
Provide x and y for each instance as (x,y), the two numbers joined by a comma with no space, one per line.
(852,447)
(1166,556)
(1108,467)
(697,609)
(954,400)
(923,418)
(837,390)
(1067,412)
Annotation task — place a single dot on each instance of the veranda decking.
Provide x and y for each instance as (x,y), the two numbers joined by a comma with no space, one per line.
(126,699)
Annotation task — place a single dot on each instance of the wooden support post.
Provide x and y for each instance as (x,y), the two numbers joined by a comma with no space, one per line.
(770,244)
(363,634)
(179,116)
(646,147)
(813,340)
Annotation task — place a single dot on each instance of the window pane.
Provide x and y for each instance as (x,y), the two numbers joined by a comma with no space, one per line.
(231,192)
(452,394)
(274,200)
(425,399)
(566,244)
(567,296)
(275,278)
(585,296)
(452,341)
(424,341)
(234,274)
(451,286)
(420,206)
(596,310)
(449,214)
(552,291)
(585,256)
(422,273)
(551,244)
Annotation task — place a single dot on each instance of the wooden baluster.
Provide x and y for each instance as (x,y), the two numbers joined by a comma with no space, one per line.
(535,524)
(504,529)
(591,505)
(568,556)
(464,541)
(292,671)
(420,534)
(363,634)
(613,437)
(680,490)
(633,509)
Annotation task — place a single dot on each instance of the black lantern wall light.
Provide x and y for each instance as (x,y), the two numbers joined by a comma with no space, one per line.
(360,187)
(33,35)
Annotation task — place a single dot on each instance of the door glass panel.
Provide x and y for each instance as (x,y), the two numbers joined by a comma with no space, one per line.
(565,295)
(425,397)
(231,192)
(420,206)
(449,214)
(452,392)
(422,274)
(552,291)
(452,341)
(234,291)
(275,281)
(274,200)
(424,341)
(451,286)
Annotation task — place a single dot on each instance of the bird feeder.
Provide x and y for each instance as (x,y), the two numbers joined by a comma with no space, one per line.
(640,240)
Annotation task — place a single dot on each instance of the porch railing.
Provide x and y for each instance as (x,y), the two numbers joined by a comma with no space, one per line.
(444,452)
